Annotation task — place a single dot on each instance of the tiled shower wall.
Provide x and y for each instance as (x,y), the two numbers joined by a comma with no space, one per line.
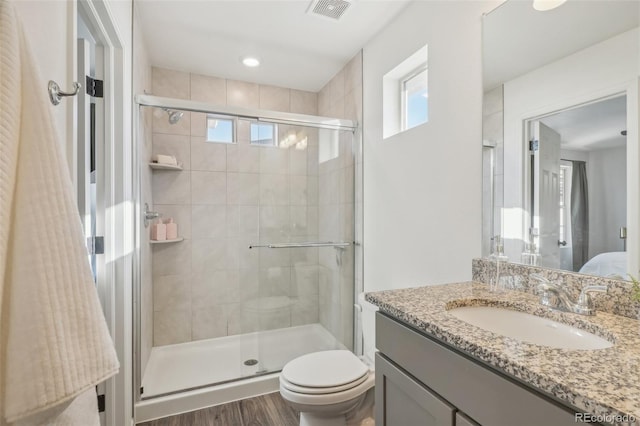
(211,284)
(341,211)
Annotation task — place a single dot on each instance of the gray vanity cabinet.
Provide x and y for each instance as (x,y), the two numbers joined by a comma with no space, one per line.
(406,401)
(421,381)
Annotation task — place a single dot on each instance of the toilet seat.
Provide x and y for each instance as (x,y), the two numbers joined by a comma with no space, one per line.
(318,390)
(329,398)
(327,377)
(326,369)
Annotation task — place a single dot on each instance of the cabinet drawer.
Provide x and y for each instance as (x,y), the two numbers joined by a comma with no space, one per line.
(401,401)
(462,420)
(483,394)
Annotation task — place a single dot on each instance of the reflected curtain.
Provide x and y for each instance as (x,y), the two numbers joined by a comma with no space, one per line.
(579,214)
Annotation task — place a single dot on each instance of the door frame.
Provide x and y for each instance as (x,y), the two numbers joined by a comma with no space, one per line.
(117,201)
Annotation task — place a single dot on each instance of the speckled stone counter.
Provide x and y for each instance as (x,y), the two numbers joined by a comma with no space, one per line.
(604,382)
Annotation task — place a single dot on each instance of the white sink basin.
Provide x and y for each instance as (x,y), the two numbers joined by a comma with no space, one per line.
(529,328)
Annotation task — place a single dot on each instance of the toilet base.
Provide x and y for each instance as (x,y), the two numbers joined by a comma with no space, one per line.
(310,419)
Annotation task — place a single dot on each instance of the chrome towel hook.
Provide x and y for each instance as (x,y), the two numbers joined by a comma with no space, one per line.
(55,94)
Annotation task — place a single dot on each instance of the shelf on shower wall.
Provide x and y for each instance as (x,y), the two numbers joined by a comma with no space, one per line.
(158,166)
(175,240)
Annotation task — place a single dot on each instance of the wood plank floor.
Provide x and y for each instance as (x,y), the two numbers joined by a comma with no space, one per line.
(264,410)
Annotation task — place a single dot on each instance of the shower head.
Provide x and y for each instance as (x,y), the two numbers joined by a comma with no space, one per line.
(174,116)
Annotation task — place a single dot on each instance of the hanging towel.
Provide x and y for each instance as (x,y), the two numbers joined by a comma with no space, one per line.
(54,342)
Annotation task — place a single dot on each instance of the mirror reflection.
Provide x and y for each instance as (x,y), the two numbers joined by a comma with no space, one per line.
(560,139)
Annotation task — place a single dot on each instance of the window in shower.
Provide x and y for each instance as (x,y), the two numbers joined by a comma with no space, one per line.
(264,134)
(221,128)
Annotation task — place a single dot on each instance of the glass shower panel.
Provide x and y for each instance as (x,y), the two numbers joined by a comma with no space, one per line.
(302,301)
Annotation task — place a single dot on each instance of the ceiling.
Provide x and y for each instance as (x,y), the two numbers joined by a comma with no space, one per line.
(518,39)
(593,126)
(296,49)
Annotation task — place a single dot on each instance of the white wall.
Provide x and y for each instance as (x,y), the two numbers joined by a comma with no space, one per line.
(601,70)
(423,187)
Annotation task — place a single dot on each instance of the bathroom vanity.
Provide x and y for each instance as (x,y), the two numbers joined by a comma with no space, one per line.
(436,369)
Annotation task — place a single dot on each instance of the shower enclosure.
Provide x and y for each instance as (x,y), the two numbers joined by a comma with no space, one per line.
(262,269)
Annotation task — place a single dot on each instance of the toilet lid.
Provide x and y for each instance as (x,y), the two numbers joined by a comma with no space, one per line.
(325,369)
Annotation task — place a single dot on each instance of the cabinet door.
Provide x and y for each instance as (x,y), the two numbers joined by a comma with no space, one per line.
(401,401)
(462,420)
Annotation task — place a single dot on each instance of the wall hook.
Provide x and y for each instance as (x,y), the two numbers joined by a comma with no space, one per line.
(55,94)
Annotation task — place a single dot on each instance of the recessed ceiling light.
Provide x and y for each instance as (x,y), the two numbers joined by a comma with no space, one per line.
(544,5)
(250,61)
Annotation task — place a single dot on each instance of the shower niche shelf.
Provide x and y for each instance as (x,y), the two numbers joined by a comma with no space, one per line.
(158,166)
(175,240)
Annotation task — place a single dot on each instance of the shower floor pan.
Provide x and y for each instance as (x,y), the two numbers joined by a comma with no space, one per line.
(193,365)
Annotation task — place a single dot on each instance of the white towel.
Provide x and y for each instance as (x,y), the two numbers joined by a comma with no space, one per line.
(54,344)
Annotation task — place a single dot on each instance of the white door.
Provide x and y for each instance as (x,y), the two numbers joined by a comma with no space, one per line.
(546,194)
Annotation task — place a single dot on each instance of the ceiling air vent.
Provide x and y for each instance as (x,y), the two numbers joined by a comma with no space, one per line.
(333,9)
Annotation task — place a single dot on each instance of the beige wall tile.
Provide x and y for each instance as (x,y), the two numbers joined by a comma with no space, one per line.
(298,161)
(176,145)
(274,189)
(305,311)
(172,292)
(275,281)
(353,73)
(304,102)
(198,124)
(171,326)
(209,322)
(299,221)
(243,94)
(214,288)
(274,160)
(169,83)
(274,222)
(208,188)
(208,255)
(171,187)
(298,190)
(209,221)
(243,158)
(172,259)
(275,98)
(208,156)
(249,220)
(243,189)
(208,89)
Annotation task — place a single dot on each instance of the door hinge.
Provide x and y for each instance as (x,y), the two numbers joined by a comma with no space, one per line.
(94,87)
(101,404)
(95,245)
(141,390)
(533,145)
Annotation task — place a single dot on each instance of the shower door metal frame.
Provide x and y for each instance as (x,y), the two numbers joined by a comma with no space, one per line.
(250,113)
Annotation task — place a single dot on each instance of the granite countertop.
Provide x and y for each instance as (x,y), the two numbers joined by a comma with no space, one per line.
(603,382)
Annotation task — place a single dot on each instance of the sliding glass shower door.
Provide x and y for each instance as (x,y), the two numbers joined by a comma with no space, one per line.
(297,285)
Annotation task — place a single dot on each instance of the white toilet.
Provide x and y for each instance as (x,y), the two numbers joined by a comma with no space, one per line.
(334,388)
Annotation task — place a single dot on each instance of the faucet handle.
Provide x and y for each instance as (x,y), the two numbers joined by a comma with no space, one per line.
(584,299)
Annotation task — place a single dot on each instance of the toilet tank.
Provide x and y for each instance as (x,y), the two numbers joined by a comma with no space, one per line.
(367,314)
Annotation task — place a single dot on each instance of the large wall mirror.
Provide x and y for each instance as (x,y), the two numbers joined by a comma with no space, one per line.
(560,135)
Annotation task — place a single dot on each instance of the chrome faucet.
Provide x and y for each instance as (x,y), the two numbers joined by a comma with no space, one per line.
(556,297)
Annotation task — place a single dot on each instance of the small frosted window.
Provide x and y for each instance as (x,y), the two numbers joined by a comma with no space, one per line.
(220,129)
(264,134)
(415,100)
